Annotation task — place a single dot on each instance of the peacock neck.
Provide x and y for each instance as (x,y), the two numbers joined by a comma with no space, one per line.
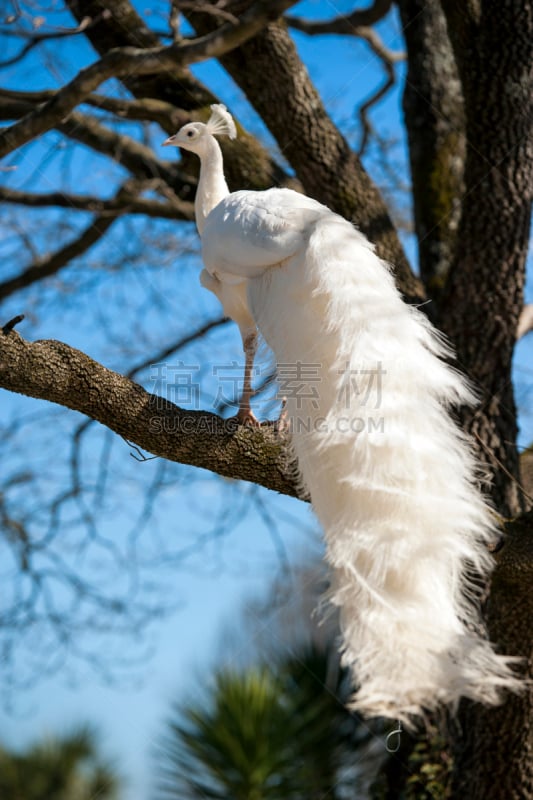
(212,186)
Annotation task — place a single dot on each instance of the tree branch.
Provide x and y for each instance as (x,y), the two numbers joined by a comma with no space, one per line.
(319,154)
(123,149)
(53,371)
(388,58)
(34,39)
(136,157)
(525,321)
(147,108)
(346,24)
(133,155)
(124,204)
(124,61)
(52,264)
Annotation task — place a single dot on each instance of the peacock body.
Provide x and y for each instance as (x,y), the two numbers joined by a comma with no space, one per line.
(392,479)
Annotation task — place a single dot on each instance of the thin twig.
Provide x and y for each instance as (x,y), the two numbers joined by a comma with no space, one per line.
(11,324)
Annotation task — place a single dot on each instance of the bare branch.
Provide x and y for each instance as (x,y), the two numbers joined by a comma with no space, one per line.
(205,8)
(147,108)
(11,324)
(388,58)
(133,155)
(55,31)
(53,371)
(525,321)
(174,209)
(345,24)
(126,61)
(126,150)
(372,38)
(34,39)
(353,25)
(170,349)
(14,108)
(52,264)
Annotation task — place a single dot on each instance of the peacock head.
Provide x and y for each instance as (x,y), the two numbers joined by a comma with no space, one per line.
(195,135)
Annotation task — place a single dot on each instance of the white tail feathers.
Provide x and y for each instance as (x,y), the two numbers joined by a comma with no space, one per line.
(221,122)
(392,479)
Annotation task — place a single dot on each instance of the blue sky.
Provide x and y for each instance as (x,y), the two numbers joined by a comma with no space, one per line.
(209,584)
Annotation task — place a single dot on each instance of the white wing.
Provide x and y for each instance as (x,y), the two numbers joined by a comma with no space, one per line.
(248,232)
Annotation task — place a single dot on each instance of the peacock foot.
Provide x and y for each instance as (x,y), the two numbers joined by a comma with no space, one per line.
(245,416)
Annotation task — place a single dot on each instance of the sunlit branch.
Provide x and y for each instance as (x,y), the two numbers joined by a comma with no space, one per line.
(161,355)
(121,62)
(175,209)
(147,108)
(53,371)
(525,321)
(388,59)
(34,39)
(126,150)
(133,155)
(52,264)
(205,8)
(345,23)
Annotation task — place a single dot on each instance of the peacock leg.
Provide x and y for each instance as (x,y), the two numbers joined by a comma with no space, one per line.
(245,414)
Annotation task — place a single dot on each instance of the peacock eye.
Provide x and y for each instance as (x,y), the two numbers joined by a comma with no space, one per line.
(190,133)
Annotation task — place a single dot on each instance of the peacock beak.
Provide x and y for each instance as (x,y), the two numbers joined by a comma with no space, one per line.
(170,140)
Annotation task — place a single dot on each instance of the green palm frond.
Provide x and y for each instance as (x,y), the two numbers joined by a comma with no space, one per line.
(269,732)
(65,768)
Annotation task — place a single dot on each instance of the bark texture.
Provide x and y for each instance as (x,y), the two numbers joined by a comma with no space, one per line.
(53,371)
(434,118)
(484,293)
(494,747)
(482,303)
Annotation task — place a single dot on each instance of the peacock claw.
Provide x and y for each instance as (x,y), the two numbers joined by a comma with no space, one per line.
(245,416)
(283,424)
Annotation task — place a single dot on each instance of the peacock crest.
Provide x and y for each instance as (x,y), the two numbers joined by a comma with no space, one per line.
(221,122)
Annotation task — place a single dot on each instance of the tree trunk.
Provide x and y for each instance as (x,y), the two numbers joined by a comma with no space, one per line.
(434,119)
(494,747)
(484,294)
(481,307)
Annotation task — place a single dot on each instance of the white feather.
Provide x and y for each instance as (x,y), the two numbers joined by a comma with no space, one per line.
(221,122)
(392,479)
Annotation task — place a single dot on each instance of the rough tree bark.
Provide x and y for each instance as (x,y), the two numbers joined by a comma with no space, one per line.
(434,119)
(53,371)
(493,233)
(483,300)
(494,747)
